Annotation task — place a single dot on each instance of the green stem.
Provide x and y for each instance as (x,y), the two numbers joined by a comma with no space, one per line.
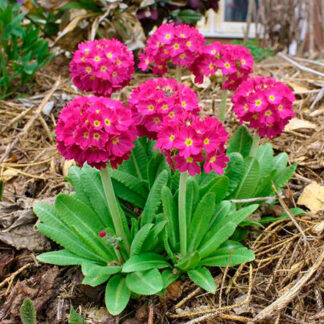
(182,213)
(178,73)
(255,145)
(222,109)
(113,207)
(138,171)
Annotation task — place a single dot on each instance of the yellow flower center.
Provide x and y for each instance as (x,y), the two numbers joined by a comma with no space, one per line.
(268,113)
(92,77)
(96,123)
(255,116)
(160,67)
(167,36)
(246,107)
(213,52)
(97,111)
(211,66)
(227,65)
(96,136)
(150,107)
(165,107)
(171,138)
(258,102)
(97,58)
(115,140)
(103,68)
(176,46)
(118,62)
(107,122)
(212,159)
(206,141)
(188,142)
(156,120)
(182,35)
(86,121)
(109,55)
(83,59)
(86,135)
(183,104)
(280,107)
(270,125)
(243,62)
(166,51)
(272,97)
(88,69)
(182,56)
(188,44)
(86,51)
(171,114)
(189,159)
(114,74)
(147,61)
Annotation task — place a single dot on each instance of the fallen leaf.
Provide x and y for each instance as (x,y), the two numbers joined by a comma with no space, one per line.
(298,89)
(312,197)
(17,226)
(296,123)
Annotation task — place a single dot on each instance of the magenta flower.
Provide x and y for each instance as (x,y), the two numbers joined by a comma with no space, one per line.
(102,66)
(169,43)
(96,130)
(265,104)
(156,100)
(234,61)
(189,142)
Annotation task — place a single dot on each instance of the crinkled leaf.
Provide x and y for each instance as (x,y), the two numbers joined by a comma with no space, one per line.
(203,278)
(145,261)
(241,142)
(139,239)
(145,283)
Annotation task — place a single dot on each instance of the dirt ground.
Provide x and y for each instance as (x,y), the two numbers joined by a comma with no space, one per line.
(283,285)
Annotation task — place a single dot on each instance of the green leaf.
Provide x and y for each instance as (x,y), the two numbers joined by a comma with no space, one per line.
(145,283)
(96,274)
(145,261)
(221,211)
(61,257)
(192,197)
(117,295)
(58,231)
(83,221)
(201,221)
(283,176)
(265,157)
(280,161)
(190,261)
(294,212)
(155,166)
(203,278)
(154,198)
(218,186)
(230,254)
(154,238)
(92,186)
(28,312)
(137,164)
(249,180)
(234,170)
(1,189)
(223,229)
(75,179)
(241,142)
(188,16)
(75,318)
(139,239)
(170,212)
(168,276)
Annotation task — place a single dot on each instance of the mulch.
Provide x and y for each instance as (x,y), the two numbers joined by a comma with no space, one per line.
(285,283)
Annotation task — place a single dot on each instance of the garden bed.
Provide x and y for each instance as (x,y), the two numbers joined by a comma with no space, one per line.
(287,273)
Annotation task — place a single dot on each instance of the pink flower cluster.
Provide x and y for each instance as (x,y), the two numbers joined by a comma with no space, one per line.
(234,61)
(95,130)
(156,100)
(189,141)
(265,104)
(102,66)
(179,44)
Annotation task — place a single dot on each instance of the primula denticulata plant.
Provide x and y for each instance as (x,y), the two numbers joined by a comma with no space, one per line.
(162,189)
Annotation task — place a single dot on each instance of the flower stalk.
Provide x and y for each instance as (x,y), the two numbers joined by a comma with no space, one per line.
(222,109)
(182,213)
(114,208)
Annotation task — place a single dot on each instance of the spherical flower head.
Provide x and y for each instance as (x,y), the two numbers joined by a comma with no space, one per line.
(95,130)
(234,61)
(156,100)
(265,104)
(178,44)
(190,143)
(102,66)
